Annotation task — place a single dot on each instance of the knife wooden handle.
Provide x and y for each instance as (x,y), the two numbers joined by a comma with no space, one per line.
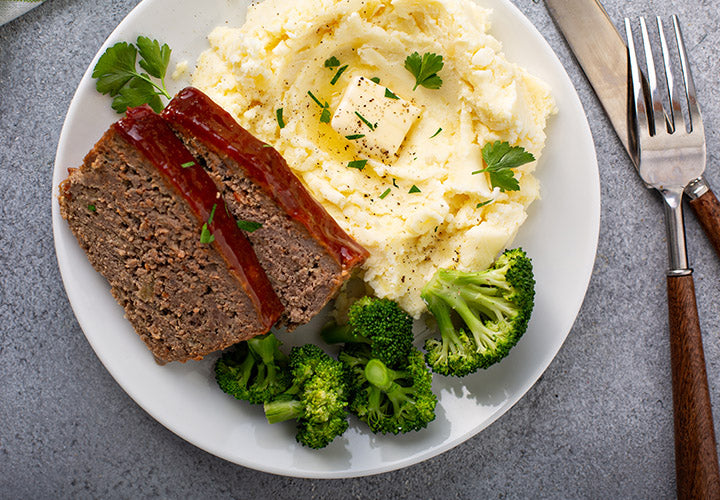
(707,210)
(696,460)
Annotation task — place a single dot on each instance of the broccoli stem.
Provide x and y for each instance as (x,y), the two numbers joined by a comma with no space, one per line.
(283,409)
(379,375)
(341,334)
(441,311)
(495,277)
(398,397)
(244,370)
(383,378)
(487,302)
(267,349)
(454,298)
(458,303)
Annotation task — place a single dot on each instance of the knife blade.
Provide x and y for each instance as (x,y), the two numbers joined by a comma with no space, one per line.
(602,54)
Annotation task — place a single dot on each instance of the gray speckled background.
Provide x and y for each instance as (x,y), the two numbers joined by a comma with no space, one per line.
(598,424)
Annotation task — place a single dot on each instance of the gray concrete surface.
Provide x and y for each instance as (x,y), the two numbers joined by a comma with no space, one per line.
(598,424)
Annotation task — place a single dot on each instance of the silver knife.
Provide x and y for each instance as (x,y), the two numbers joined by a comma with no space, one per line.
(602,54)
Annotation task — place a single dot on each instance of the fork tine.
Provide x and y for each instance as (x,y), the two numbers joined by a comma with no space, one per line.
(638,98)
(693,109)
(675,108)
(656,108)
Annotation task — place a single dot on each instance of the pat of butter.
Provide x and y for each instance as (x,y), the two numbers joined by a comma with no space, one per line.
(373,118)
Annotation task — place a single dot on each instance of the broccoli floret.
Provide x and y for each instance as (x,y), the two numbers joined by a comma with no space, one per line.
(255,370)
(494,305)
(317,398)
(381,324)
(390,400)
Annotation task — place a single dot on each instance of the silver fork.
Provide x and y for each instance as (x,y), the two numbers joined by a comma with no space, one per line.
(670,154)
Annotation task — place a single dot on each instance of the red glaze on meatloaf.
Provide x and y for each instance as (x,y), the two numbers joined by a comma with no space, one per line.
(305,253)
(138,206)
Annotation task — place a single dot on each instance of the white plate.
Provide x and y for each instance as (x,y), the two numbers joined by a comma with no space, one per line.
(560,235)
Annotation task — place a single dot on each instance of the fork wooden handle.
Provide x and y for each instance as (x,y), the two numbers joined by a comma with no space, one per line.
(707,210)
(696,461)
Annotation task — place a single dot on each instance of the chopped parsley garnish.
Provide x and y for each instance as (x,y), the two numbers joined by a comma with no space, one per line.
(266,146)
(359,164)
(248,225)
(354,137)
(436,133)
(118,76)
(385,193)
(483,203)
(91,208)
(187,164)
(390,95)
(337,75)
(414,189)
(278,115)
(375,79)
(205,235)
(365,121)
(500,159)
(325,115)
(425,69)
(332,62)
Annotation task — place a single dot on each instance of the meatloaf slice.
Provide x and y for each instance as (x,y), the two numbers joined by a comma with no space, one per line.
(306,255)
(153,224)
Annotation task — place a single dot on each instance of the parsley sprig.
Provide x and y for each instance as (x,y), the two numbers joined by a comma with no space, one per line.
(332,62)
(359,164)
(425,69)
(248,226)
(500,159)
(390,95)
(118,76)
(206,236)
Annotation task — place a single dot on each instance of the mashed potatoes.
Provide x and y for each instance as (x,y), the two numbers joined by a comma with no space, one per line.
(430,218)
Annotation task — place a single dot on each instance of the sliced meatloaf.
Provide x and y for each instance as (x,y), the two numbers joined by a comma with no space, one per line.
(153,224)
(306,255)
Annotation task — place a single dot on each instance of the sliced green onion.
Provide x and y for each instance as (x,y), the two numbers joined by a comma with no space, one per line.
(337,75)
(364,120)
